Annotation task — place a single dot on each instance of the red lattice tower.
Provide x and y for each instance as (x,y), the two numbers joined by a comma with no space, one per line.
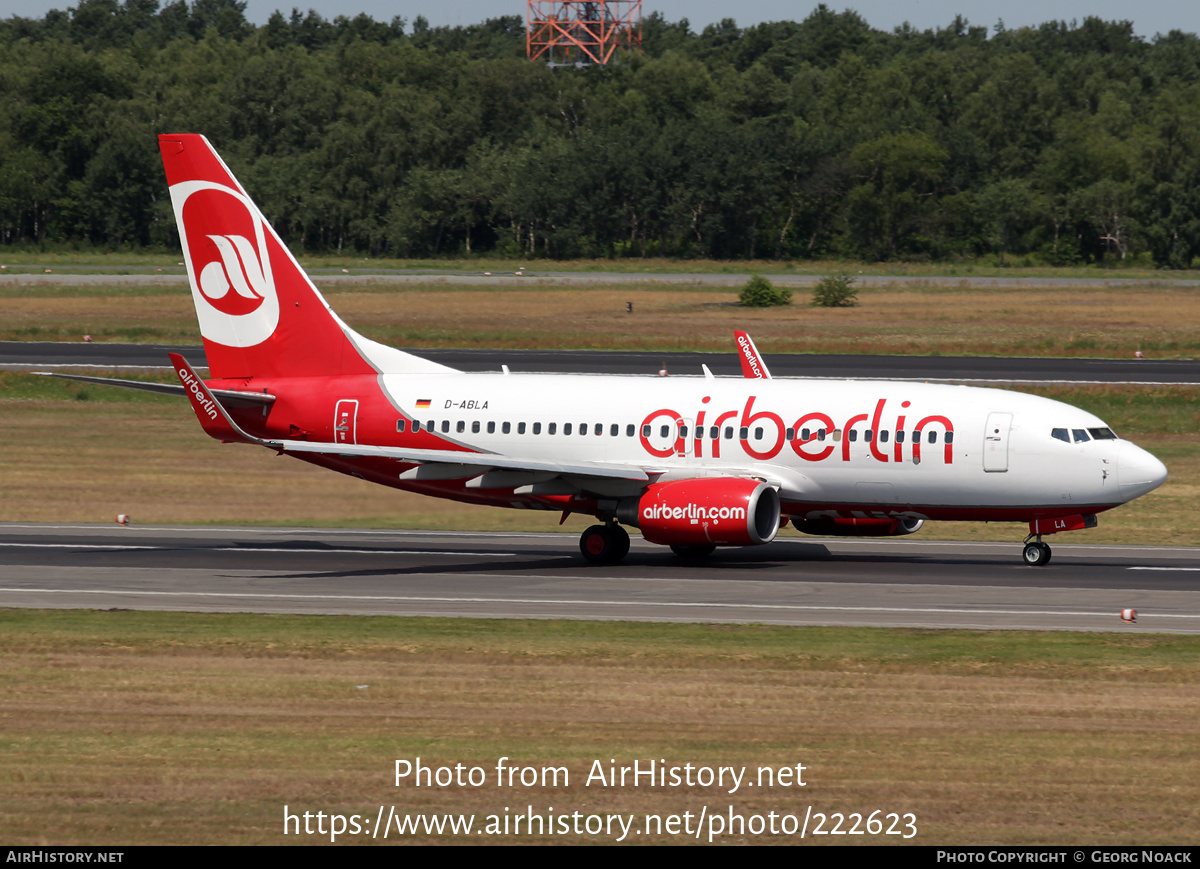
(582,31)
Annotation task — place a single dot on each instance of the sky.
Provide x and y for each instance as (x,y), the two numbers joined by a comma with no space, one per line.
(1148,19)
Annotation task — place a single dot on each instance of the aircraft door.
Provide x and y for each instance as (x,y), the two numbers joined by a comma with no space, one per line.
(995,441)
(345,421)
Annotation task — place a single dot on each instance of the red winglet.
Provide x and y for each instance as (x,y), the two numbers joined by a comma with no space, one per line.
(208,410)
(753,365)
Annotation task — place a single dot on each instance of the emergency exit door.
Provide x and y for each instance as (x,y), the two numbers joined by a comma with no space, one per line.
(995,442)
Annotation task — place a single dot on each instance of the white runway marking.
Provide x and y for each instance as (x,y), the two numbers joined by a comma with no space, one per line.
(119,547)
(585,602)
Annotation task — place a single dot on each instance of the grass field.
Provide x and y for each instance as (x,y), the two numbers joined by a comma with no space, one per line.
(116,262)
(150,728)
(916,318)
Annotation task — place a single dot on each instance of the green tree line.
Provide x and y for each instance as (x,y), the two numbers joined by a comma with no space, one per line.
(1062,143)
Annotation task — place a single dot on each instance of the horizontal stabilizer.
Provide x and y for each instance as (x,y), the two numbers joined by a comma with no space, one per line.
(228,397)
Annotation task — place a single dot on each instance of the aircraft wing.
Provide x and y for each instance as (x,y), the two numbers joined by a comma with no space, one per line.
(483,461)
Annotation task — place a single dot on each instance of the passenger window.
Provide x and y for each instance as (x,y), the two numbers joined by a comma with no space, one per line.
(852,435)
(474,427)
(836,435)
(416,426)
(551,428)
(1080,435)
(462,426)
(744,433)
(728,432)
(949,438)
(429,426)
(666,431)
(645,431)
(713,432)
(900,436)
(445,426)
(820,434)
(614,431)
(931,437)
(883,436)
(537,428)
(566,428)
(600,429)
(629,430)
(683,430)
(492,428)
(505,429)
(401,425)
(758,433)
(790,434)
(869,435)
(520,428)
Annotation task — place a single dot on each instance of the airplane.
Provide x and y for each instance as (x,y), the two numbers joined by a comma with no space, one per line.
(692,462)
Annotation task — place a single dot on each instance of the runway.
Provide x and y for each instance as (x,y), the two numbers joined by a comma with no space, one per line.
(955,369)
(794,581)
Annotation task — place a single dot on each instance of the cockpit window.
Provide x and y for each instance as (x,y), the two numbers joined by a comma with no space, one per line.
(1102,434)
(1080,435)
(1061,434)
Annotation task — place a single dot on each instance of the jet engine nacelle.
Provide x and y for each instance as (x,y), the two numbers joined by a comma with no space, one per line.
(708,511)
(830,526)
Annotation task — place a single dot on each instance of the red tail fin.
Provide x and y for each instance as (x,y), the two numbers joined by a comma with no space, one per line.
(259,313)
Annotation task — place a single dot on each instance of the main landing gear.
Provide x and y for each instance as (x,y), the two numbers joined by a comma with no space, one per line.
(604,544)
(1036,554)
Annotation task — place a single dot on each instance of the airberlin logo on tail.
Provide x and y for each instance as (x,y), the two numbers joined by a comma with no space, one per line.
(239,270)
(225,241)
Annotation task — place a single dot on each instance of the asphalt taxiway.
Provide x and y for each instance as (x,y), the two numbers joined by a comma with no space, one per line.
(794,581)
(955,369)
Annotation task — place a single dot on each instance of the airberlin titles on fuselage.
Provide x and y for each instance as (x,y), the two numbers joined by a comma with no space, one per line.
(814,436)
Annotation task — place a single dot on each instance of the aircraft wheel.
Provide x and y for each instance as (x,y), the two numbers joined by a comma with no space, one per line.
(693,553)
(1036,554)
(620,541)
(604,544)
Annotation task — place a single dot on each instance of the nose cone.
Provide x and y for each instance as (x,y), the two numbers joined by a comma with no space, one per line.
(1138,472)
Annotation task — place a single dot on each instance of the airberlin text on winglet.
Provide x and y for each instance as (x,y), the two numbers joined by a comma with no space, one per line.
(192,384)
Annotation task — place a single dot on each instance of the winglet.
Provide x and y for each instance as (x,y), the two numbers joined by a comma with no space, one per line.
(753,365)
(213,417)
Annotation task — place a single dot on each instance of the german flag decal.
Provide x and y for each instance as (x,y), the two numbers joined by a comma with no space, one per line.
(422,402)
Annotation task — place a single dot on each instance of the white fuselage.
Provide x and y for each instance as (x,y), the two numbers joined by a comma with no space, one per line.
(845,446)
